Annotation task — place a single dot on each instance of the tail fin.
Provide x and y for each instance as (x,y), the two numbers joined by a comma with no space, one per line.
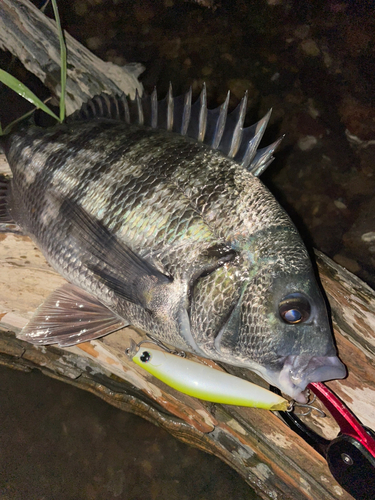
(7,223)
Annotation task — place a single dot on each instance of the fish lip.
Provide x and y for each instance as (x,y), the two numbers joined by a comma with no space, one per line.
(299,371)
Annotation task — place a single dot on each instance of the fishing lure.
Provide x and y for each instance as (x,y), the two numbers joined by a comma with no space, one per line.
(203,382)
(350,456)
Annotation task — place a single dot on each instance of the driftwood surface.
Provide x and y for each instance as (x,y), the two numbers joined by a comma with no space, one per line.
(32,37)
(276,462)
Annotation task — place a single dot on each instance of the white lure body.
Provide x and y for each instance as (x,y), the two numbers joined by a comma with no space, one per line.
(206,383)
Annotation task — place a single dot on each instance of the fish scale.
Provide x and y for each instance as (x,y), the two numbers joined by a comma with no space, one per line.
(213,298)
(159,229)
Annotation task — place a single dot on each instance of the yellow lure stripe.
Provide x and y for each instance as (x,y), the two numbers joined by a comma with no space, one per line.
(206,383)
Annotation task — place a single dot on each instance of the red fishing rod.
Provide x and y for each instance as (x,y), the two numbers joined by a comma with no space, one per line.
(351,455)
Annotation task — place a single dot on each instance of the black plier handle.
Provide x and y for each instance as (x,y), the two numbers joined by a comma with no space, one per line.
(351,455)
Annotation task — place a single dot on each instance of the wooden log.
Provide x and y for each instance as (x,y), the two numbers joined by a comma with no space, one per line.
(32,37)
(275,461)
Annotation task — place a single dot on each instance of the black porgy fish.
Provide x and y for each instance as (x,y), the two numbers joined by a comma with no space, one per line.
(154,213)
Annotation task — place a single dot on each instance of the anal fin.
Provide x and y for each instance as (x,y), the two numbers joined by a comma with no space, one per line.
(70,316)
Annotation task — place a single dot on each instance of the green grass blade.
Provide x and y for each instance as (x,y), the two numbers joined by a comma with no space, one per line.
(9,127)
(21,89)
(63,60)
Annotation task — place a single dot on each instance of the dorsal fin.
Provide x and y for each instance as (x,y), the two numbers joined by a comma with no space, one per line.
(214,127)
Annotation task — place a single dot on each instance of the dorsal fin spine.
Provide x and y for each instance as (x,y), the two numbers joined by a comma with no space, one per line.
(126,109)
(220,124)
(170,106)
(91,105)
(116,106)
(203,114)
(154,108)
(237,133)
(261,168)
(139,108)
(259,129)
(187,112)
(99,102)
(215,127)
(264,155)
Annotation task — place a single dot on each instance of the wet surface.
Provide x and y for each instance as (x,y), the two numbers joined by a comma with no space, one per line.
(58,442)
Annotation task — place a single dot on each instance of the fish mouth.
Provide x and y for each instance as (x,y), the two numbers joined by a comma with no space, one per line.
(299,371)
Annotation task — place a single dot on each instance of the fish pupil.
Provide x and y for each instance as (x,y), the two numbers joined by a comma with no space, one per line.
(295,308)
(145,356)
(292,316)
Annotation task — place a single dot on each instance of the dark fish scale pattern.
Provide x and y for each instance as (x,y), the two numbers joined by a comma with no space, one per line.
(171,200)
(136,182)
(213,298)
(253,337)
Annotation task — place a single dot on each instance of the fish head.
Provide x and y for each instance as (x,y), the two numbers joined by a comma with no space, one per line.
(277,323)
(304,342)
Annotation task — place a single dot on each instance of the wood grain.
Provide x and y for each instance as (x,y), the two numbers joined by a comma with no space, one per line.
(32,37)
(275,461)
(256,443)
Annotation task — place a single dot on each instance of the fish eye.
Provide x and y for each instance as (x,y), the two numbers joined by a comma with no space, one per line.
(294,308)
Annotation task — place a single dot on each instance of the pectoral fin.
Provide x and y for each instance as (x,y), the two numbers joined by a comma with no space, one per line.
(116,265)
(70,316)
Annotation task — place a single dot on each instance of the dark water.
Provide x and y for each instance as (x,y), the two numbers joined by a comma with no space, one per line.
(61,443)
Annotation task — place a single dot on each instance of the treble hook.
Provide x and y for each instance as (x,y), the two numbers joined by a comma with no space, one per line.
(160,344)
(309,407)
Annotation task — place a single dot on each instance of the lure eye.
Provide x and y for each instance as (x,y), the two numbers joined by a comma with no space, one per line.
(145,356)
(294,308)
